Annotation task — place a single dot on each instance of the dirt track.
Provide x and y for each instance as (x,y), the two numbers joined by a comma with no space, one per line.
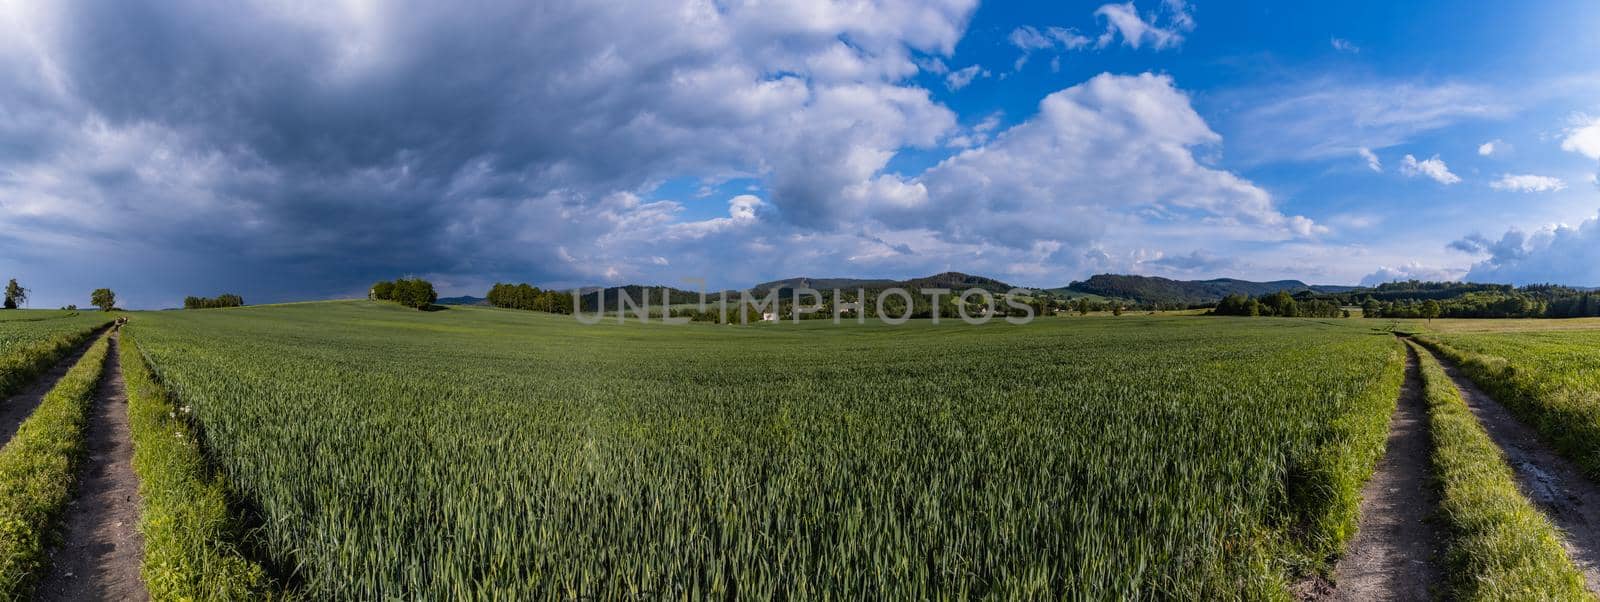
(1555,485)
(1393,555)
(102,548)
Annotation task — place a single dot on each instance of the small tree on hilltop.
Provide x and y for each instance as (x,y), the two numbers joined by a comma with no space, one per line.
(103,298)
(414,292)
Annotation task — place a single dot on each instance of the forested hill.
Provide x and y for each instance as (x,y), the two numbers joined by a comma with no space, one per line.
(955,281)
(1153,289)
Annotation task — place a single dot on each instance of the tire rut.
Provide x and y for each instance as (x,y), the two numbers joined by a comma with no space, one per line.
(16,409)
(1555,485)
(1393,555)
(101,547)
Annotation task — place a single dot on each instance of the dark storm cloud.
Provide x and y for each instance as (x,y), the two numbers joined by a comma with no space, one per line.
(340,142)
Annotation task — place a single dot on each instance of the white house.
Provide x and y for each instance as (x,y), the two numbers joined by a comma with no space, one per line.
(769,317)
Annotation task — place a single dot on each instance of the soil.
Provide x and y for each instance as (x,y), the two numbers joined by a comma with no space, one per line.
(15,409)
(101,546)
(1392,556)
(1555,485)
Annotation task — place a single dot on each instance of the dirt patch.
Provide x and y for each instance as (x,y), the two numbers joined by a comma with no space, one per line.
(1555,485)
(1392,556)
(102,548)
(17,408)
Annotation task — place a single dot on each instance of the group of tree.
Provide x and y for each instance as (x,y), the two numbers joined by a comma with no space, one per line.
(223,300)
(15,295)
(529,297)
(410,292)
(1280,304)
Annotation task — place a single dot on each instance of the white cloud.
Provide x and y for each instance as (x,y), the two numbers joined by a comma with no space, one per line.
(1372,159)
(1433,168)
(1411,271)
(1583,137)
(1030,39)
(959,78)
(1112,151)
(1557,253)
(1528,183)
(1489,148)
(1343,45)
(1330,118)
(1136,31)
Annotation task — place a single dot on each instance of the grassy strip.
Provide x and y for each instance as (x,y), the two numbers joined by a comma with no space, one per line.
(37,471)
(188,530)
(1569,423)
(1326,489)
(1501,547)
(21,366)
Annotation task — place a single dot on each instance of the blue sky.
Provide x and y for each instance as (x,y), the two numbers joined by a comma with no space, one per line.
(286,150)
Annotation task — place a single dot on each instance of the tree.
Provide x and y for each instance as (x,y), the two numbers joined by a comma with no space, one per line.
(15,294)
(1116,309)
(1083,306)
(1430,310)
(414,292)
(103,298)
(382,291)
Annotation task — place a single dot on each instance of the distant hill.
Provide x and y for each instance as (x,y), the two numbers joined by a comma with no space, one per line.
(464,300)
(1154,289)
(950,280)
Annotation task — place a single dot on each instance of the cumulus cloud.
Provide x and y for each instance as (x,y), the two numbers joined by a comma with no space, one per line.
(1113,150)
(1433,168)
(1343,45)
(1583,137)
(1158,31)
(1372,159)
(1489,148)
(1528,183)
(1411,271)
(1557,253)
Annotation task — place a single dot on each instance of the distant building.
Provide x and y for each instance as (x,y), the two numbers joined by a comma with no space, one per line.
(769,317)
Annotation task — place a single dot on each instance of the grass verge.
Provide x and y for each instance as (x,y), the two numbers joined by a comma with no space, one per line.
(189,533)
(21,366)
(1500,547)
(37,470)
(1569,423)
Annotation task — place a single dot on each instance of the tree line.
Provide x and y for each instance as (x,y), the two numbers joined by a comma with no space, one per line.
(410,292)
(223,300)
(528,297)
(1280,304)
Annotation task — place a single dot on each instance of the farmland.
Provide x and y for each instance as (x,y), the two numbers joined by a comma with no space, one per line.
(32,340)
(512,454)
